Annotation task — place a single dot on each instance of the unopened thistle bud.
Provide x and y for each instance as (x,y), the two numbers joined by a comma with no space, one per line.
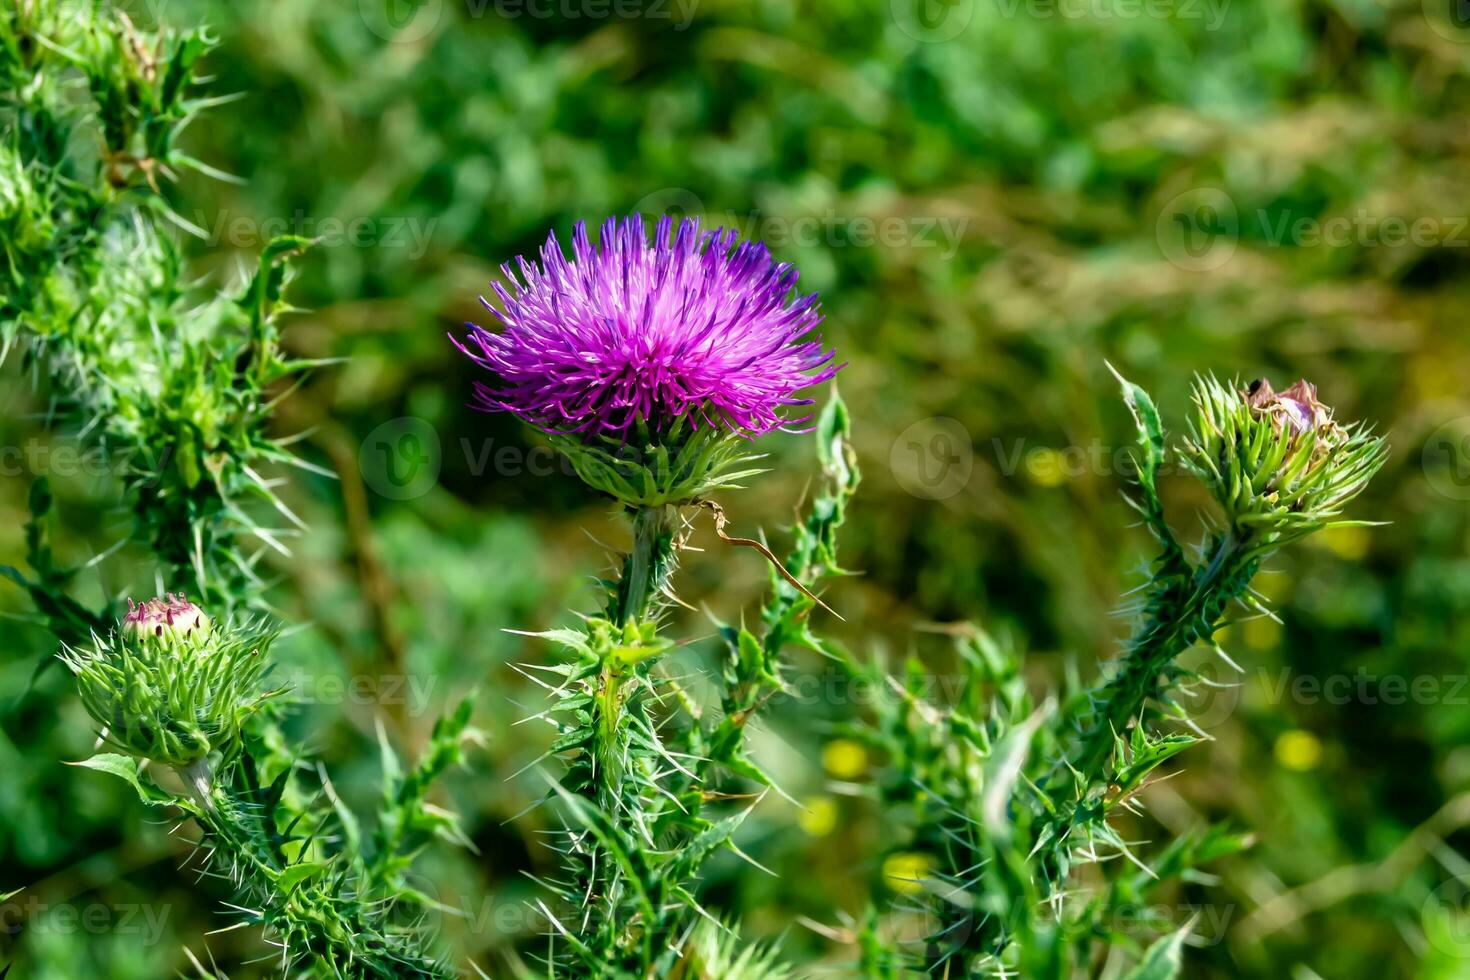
(1278,462)
(652,366)
(171,685)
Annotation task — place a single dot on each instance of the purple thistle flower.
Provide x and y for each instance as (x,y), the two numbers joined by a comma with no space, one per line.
(692,326)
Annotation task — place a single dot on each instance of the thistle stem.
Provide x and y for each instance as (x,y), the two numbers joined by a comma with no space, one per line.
(1181,614)
(648,566)
(646,571)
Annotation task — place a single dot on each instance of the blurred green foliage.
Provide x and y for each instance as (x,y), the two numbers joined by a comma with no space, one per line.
(993,196)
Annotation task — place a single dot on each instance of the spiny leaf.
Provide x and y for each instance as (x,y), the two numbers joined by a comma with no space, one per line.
(125,767)
(294,875)
(1164,959)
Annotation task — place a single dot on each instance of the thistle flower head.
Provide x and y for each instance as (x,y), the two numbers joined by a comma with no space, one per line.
(1278,462)
(171,685)
(693,326)
(651,365)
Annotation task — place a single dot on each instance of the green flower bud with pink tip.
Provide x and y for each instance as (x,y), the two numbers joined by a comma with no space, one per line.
(171,685)
(1278,462)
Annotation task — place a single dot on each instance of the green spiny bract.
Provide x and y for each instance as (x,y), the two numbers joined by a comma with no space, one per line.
(170,685)
(647,469)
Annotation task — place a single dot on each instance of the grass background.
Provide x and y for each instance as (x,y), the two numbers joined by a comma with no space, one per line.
(994,197)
